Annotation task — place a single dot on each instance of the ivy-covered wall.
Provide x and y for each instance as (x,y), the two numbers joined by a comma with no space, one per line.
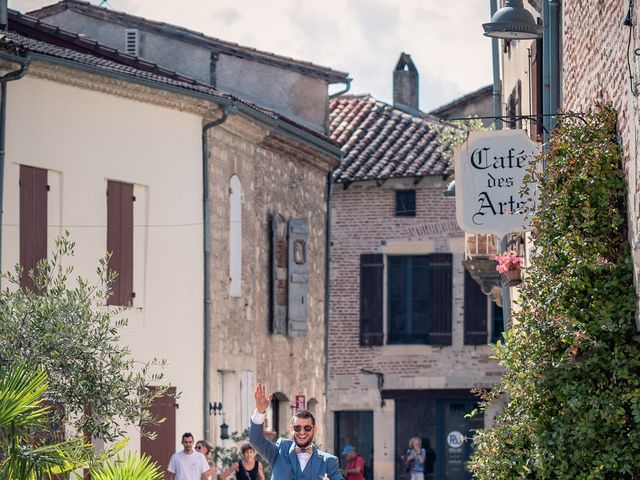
(572,358)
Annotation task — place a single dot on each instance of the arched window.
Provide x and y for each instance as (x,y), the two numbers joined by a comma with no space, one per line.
(235,237)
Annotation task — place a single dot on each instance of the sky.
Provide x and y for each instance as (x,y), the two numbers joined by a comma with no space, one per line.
(361,37)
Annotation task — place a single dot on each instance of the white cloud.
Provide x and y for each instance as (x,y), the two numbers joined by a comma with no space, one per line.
(362,37)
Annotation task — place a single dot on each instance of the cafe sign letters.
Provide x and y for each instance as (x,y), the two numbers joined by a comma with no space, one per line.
(489,169)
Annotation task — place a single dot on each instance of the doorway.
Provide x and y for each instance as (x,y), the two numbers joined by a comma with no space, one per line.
(439,420)
(355,428)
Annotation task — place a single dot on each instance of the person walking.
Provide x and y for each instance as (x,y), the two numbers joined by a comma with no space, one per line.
(187,464)
(246,468)
(205,448)
(295,459)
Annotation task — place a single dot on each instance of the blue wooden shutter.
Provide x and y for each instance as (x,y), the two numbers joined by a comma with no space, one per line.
(279,260)
(475,312)
(298,277)
(371,299)
(440,298)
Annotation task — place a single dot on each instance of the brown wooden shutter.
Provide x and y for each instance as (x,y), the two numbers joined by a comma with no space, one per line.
(279,262)
(163,446)
(33,220)
(475,312)
(120,240)
(371,299)
(440,295)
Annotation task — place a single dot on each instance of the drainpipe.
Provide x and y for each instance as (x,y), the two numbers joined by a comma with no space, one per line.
(497,112)
(206,398)
(551,63)
(327,294)
(497,88)
(9,77)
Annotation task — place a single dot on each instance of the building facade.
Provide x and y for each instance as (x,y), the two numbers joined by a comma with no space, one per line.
(409,329)
(213,177)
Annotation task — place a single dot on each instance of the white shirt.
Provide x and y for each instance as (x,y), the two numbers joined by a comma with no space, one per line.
(303,457)
(188,467)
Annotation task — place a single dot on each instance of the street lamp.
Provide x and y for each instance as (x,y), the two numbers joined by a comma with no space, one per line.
(224,431)
(513,22)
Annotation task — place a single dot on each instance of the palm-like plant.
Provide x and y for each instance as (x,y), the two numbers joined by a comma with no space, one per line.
(130,467)
(22,419)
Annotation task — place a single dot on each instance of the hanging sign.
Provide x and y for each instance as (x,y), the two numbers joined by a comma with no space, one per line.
(300,403)
(489,169)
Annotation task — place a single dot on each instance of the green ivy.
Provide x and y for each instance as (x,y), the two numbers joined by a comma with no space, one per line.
(572,358)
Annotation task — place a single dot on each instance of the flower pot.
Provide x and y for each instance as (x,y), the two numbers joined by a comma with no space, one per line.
(512,277)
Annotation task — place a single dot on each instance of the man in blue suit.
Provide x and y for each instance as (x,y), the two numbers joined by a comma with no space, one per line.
(295,459)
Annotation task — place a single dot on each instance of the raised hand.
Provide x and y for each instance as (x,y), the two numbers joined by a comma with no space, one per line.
(262,400)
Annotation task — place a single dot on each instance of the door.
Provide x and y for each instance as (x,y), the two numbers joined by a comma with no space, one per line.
(440,422)
(355,428)
(163,446)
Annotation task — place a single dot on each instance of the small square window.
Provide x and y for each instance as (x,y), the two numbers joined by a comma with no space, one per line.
(406,203)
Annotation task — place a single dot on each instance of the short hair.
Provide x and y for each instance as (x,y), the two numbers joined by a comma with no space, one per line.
(187,435)
(245,447)
(413,440)
(304,414)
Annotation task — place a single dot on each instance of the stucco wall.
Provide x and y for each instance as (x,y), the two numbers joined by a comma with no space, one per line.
(363,221)
(273,181)
(300,97)
(85,138)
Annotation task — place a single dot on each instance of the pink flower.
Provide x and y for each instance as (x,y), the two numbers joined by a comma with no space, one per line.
(508,262)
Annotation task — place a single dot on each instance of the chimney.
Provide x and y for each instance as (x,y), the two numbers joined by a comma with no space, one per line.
(4,21)
(405,84)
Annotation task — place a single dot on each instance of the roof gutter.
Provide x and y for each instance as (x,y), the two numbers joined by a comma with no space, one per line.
(23,62)
(277,124)
(347,83)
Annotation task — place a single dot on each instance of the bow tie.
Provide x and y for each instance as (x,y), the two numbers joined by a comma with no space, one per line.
(307,449)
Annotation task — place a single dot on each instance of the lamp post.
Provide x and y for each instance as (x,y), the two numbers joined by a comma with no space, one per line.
(513,22)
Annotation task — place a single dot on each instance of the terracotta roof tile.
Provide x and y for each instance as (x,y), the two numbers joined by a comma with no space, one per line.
(379,141)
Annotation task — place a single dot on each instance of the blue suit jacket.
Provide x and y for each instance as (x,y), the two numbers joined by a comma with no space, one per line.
(284,461)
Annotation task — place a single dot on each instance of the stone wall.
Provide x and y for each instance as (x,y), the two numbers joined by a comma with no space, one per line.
(282,178)
(595,69)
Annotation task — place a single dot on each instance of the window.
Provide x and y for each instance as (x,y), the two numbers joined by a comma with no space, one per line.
(419,299)
(33,220)
(235,237)
(406,203)
(289,275)
(498,322)
(120,200)
(408,296)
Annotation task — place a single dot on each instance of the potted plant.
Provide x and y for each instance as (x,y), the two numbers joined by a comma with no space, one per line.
(509,266)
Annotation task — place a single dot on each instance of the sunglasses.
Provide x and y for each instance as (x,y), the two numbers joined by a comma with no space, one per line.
(298,428)
(198,447)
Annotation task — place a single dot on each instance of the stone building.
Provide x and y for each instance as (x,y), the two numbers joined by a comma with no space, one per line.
(249,193)
(301,92)
(409,329)
(478,103)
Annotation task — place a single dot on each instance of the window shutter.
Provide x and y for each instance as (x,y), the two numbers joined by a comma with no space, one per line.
(161,445)
(132,42)
(298,277)
(33,220)
(278,275)
(120,240)
(371,298)
(475,312)
(440,295)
